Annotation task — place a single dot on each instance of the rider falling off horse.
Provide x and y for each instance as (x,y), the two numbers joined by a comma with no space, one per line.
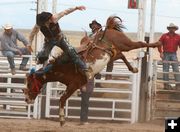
(47,23)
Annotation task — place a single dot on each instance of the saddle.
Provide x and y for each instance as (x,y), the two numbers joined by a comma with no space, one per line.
(85,46)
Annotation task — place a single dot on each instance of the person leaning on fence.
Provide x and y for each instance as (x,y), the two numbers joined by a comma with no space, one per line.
(10,47)
(47,23)
(169,45)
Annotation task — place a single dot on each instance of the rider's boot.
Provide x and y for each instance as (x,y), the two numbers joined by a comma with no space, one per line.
(66,47)
(44,70)
(82,65)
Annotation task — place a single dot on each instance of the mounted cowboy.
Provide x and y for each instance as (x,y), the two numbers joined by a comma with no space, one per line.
(47,23)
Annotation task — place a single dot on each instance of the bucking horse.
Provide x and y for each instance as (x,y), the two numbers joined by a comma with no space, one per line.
(106,45)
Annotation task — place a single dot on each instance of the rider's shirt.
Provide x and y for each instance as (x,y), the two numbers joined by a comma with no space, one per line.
(52,32)
(53,28)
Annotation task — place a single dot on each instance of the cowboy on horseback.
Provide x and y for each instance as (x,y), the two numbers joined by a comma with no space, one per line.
(47,23)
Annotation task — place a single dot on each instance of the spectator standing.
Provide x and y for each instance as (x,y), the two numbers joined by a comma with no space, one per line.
(86,92)
(10,48)
(168,52)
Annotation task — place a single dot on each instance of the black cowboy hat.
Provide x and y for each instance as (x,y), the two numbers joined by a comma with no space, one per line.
(94,22)
(42,18)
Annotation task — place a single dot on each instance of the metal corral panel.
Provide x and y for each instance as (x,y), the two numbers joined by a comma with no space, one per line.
(12,104)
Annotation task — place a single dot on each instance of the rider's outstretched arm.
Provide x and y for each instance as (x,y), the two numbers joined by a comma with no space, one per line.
(59,15)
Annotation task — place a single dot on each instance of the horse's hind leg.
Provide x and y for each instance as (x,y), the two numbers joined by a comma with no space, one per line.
(69,91)
(132,69)
(140,44)
(155,44)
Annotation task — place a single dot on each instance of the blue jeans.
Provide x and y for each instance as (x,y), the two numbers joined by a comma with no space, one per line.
(10,57)
(175,66)
(84,106)
(85,95)
(66,47)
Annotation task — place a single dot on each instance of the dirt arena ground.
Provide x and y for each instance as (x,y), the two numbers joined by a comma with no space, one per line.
(26,125)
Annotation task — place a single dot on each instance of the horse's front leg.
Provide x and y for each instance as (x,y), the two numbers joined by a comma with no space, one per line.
(132,69)
(61,110)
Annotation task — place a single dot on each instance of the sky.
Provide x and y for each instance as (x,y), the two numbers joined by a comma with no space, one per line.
(21,13)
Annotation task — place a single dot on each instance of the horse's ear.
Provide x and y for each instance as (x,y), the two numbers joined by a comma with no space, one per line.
(85,34)
(109,22)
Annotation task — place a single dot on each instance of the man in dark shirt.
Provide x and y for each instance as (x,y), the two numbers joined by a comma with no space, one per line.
(47,23)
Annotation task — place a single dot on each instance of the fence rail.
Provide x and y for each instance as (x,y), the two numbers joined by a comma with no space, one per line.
(165,102)
(12,104)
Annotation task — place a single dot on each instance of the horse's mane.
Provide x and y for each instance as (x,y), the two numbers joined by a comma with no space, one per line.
(115,22)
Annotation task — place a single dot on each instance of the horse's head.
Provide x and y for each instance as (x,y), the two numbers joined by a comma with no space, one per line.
(34,84)
(114,22)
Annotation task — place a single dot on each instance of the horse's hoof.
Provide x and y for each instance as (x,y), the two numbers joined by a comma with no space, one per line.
(62,123)
(135,70)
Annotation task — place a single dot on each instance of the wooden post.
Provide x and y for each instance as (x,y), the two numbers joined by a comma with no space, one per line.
(143,86)
(140,36)
(42,6)
(150,63)
(141,19)
(54,3)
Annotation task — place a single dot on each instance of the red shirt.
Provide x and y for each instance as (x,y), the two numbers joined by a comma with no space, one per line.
(170,43)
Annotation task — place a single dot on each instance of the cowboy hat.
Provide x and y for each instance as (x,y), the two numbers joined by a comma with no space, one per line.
(94,22)
(172,25)
(7,26)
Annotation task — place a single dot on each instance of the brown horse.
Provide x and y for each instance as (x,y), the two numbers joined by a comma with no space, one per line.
(104,46)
